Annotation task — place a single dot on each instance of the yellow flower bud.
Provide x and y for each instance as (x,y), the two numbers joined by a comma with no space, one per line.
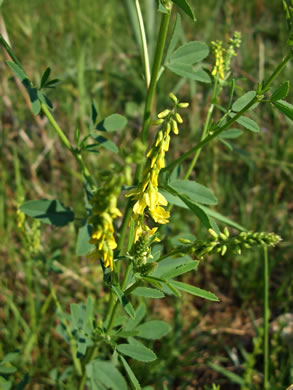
(174,126)
(173,97)
(178,118)
(163,114)
(183,105)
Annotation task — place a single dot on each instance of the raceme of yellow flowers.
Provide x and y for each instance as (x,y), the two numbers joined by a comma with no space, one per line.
(147,196)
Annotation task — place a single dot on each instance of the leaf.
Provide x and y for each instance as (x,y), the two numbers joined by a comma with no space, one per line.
(18,71)
(184,5)
(83,247)
(285,107)
(137,352)
(139,316)
(34,98)
(201,215)
(107,144)
(94,115)
(174,38)
(130,373)
(222,218)
(186,70)
(175,200)
(248,123)
(194,191)
(45,77)
(4,384)
(153,330)
(106,373)
(190,53)
(181,270)
(198,292)
(48,211)
(7,369)
(113,122)
(230,375)
(1,2)
(281,92)
(124,301)
(148,292)
(240,103)
(51,83)
(44,99)
(231,134)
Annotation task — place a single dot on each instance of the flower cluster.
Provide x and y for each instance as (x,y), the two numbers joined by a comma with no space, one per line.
(223,56)
(147,195)
(220,243)
(104,211)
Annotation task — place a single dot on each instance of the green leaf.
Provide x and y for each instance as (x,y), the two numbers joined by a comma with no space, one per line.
(170,265)
(175,200)
(148,292)
(230,375)
(4,384)
(83,247)
(194,191)
(94,115)
(134,382)
(186,70)
(231,134)
(1,2)
(139,316)
(184,5)
(48,211)
(221,218)
(285,107)
(240,103)
(112,122)
(34,98)
(198,292)
(281,92)
(124,301)
(44,99)
(10,357)
(181,270)
(201,215)
(45,77)
(190,53)
(18,71)
(174,38)
(248,123)
(153,330)
(107,374)
(107,144)
(137,352)
(7,369)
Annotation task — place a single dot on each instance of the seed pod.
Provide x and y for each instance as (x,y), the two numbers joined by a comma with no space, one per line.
(178,118)
(183,105)
(163,114)
(157,122)
(173,97)
(226,232)
(213,233)
(224,250)
(174,126)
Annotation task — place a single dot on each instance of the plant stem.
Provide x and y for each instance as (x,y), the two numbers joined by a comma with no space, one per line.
(76,154)
(73,347)
(230,122)
(145,52)
(155,71)
(266,320)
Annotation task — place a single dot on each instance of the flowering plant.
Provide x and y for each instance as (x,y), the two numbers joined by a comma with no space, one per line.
(125,239)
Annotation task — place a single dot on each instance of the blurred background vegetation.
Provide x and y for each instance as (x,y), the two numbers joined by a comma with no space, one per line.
(91,47)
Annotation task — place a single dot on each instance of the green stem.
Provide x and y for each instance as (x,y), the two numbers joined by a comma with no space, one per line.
(230,122)
(155,71)
(76,154)
(145,52)
(73,347)
(266,320)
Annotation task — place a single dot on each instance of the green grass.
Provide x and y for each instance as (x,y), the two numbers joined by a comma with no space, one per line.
(90,46)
